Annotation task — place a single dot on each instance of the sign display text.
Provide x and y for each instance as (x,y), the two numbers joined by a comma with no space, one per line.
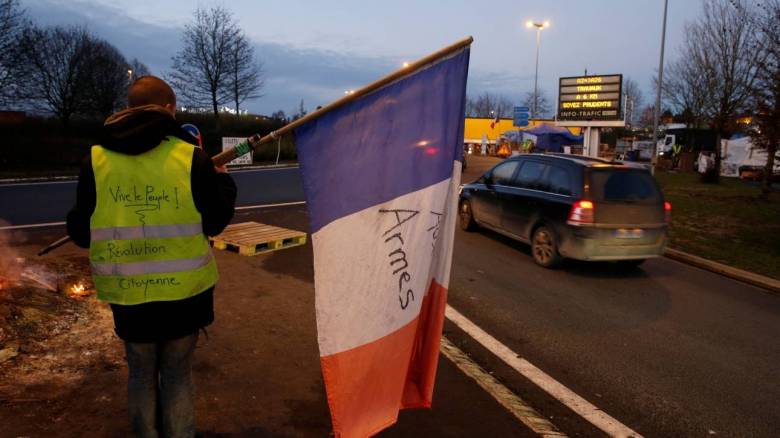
(587,98)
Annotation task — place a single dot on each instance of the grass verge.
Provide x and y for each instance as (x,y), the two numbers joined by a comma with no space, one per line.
(724,222)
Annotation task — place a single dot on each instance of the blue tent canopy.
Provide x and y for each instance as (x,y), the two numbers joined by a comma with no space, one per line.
(552,138)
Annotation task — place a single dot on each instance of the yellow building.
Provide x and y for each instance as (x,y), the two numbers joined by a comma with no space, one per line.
(476,127)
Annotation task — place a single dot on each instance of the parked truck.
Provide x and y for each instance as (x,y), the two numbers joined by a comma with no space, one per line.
(689,140)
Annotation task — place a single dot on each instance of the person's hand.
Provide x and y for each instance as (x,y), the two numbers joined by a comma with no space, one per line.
(221,169)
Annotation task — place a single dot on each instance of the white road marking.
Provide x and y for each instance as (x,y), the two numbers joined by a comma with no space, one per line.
(20,227)
(38,183)
(283,204)
(54,224)
(582,407)
(511,401)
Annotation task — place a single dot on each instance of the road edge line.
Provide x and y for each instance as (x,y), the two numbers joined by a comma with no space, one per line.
(53,224)
(21,227)
(767,283)
(503,395)
(576,403)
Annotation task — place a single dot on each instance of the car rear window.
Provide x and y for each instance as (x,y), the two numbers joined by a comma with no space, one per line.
(624,185)
(558,181)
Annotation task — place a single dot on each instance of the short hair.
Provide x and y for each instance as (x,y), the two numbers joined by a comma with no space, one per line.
(150,90)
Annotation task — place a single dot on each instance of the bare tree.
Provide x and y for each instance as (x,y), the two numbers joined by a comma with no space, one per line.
(685,90)
(484,105)
(201,68)
(488,105)
(765,100)
(716,68)
(105,84)
(58,63)
(633,102)
(468,107)
(245,75)
(12,26)
(646,116)
(137,69)
(540,101)
(280,116)
(300,112)
(543,105)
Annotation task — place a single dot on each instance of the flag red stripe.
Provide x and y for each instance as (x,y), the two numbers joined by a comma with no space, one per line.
(367,385)
(421,376)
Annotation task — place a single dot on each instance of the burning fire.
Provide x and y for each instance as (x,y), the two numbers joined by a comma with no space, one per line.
(78,290)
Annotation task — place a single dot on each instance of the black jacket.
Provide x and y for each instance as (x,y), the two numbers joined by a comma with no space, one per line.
(134,132)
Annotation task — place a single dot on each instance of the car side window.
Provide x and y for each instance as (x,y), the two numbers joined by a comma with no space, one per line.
(558,181)
(530,175)
(502,174)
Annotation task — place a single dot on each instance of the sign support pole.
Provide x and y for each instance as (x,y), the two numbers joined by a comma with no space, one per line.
(591,141)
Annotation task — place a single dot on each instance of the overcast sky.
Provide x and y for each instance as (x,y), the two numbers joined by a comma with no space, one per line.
(314,50)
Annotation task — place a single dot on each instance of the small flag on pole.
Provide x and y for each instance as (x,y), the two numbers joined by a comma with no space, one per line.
(381,175)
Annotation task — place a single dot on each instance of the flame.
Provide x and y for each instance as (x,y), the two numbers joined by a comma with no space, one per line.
(78,290)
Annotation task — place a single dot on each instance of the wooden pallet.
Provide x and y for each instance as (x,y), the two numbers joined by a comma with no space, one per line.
(252,238)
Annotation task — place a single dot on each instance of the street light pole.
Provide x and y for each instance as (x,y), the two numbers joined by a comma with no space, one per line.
(539,27)
(536,74)
(657,111)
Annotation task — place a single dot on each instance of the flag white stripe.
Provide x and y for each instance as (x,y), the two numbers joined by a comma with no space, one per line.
(365,265)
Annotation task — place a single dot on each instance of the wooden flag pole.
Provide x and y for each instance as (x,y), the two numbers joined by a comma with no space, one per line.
(255,141)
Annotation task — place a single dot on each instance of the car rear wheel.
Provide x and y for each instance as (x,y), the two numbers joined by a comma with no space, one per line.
(544,248)
(466,217)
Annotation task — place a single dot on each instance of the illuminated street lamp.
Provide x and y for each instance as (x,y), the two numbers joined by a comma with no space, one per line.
(348,92)
(539,26)
(129,75)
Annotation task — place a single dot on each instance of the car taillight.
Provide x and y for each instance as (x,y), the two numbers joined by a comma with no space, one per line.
(667,212)
(581,213)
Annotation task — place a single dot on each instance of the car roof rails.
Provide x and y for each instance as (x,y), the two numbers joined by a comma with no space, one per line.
(582,158)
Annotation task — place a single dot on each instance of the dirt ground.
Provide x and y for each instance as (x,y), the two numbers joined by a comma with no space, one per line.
(64,374)
(256,375)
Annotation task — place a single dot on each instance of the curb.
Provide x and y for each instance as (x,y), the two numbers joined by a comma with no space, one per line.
(39,179)
(75,177)
(767,283)
(264,166)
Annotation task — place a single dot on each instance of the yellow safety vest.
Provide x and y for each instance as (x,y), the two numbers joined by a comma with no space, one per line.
(147,242)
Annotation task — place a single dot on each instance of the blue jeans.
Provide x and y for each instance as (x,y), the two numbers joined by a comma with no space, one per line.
(159,388)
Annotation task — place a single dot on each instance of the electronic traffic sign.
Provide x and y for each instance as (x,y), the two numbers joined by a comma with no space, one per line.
(587,98)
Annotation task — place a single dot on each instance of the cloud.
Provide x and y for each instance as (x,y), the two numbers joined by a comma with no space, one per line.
(292,73)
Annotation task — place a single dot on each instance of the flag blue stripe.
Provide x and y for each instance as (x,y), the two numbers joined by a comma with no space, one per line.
(397,140)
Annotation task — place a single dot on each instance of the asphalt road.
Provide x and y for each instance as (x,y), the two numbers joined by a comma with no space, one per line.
(45,202)
(667,349)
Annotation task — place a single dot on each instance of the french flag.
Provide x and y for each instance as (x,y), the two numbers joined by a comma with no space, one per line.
(381,175)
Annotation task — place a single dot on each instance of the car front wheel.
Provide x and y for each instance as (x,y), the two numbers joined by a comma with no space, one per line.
(466,217)
(544,248)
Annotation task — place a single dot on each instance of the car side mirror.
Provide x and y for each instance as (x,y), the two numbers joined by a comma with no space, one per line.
(487,180)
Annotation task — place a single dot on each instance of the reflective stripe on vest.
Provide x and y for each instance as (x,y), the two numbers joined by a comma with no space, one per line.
(146,231)
(147,241)
(140,268)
